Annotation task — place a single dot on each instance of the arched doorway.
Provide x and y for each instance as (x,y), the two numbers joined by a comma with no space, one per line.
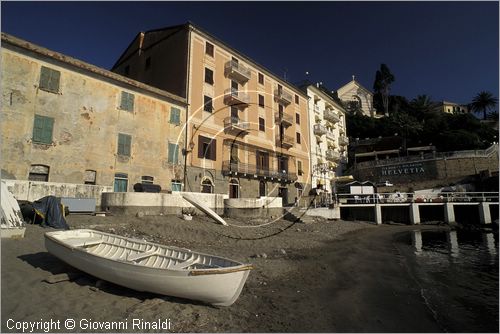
(234,189)
(207,186)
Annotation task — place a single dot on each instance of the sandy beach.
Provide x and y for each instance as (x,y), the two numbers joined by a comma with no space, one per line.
(329,276)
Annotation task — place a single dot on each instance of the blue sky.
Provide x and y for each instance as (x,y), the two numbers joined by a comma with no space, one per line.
(447,50)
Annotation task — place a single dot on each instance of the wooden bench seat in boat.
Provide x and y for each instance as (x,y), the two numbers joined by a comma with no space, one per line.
(140,256)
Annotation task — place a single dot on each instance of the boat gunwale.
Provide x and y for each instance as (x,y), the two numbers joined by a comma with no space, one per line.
(191,272)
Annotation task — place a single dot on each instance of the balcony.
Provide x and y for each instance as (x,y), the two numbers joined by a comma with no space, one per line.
(282,97)
(330,136)
(341,130)
(236,126)
(331,116)
(232,168)
(331,155)
(236,97)
(237,71)
(316,108)
(284,119)
(284,141)
(343,141)
(319,129)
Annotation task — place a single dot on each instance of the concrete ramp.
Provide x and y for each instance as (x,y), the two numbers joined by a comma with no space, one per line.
(204,208)
(12,224)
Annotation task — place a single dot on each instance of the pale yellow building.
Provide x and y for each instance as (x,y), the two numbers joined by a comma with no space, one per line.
(248,132)
(328,141)
(66,121)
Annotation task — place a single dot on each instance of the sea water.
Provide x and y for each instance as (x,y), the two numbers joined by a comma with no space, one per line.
(457,274)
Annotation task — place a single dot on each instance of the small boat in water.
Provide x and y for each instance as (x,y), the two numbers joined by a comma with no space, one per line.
(146,266)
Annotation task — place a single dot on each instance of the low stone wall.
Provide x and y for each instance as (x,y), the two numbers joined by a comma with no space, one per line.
(127,203)
(24,190)
(253,207)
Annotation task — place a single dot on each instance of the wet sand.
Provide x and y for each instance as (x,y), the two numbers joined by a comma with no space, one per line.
(329,276)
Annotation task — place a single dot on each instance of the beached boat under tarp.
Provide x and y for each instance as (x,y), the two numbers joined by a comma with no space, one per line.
(145,266)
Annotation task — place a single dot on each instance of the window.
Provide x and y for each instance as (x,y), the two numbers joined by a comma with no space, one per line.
(297,118)
(89,177)
(280,109)
(124,143)
(147,66)
(175,116)
(261,78)
(262,124)
(42,129)
(234,154)
(207,103)
(121,182)
(39,173)
(261,101)
(298,138)
(147,179)
(209,49)
(209,76)
(299,167)
(173,153)
(49,79)
(176,185)
(127,101)
(296,99)
(207,148)
(207,186)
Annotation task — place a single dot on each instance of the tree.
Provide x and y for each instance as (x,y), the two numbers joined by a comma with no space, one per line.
(382,86)
(422,106)
(483,102)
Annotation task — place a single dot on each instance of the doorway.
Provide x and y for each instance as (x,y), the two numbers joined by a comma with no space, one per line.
(234,189)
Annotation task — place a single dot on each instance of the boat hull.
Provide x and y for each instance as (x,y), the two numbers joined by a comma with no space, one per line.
(217,287)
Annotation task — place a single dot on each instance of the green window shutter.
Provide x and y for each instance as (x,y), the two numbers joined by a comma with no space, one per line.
(49,79)
(175,116)
(173,153)
(127,101)
(54,80)
(44,77)
(131,102)
(42,129)
(124,143)
(48,126)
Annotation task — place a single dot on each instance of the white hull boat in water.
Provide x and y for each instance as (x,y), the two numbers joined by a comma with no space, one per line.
(145,266)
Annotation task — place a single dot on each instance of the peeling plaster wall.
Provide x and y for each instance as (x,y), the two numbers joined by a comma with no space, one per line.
(87,120)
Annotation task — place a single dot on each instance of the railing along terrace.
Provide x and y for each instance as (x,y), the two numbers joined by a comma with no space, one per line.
(428,156)
(243,168)
(236,121)
(236,66)
(397,197)
(279,117)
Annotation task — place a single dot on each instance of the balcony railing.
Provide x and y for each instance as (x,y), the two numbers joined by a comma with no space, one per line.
(331,116)
(319,129)
(237,71)
(282,118)
(236,97)
(343,141)
(331,155)
(236,126)
(316,108)
(282,96)
(251,171)
(284,141)
(330,136)
(341,130)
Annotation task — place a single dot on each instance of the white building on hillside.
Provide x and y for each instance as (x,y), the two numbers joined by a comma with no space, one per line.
(355,92)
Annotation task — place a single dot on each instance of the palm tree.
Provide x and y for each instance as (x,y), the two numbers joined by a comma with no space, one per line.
(482,102)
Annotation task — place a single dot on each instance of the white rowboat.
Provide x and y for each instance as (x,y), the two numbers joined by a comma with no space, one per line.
(145,266)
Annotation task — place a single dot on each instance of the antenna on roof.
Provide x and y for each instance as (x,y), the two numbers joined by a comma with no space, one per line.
(353,76)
